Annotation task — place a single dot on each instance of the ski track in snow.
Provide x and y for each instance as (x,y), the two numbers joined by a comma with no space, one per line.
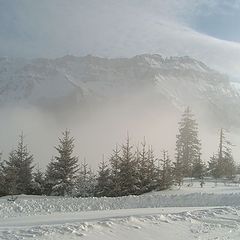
(189,213)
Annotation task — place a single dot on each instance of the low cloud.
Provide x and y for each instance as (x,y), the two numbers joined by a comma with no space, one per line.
(114,29)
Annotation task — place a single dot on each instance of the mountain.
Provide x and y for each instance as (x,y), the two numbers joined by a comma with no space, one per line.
(83,81)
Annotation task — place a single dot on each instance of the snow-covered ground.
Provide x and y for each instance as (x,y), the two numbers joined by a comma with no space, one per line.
(212,212)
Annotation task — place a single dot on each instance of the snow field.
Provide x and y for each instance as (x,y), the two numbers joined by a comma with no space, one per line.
(186,197)
(209,213)
(173,224)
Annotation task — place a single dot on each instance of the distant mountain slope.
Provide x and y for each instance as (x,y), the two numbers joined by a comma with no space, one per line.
(176,81)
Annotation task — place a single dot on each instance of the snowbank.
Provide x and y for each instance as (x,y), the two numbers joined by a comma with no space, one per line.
(48,205)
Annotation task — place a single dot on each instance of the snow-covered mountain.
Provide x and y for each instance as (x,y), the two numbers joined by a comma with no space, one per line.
(70,80)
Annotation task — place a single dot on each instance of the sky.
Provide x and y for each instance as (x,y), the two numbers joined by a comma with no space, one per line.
(219,19)
(203,29)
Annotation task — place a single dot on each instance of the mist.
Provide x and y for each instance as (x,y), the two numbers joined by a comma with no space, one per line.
(97,129)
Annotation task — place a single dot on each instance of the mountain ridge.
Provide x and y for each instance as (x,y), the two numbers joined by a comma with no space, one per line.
(179,81)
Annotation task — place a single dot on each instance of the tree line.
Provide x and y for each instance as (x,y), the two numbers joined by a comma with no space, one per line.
(130,170)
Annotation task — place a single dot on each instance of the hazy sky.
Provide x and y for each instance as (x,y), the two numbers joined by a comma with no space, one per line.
(204,29)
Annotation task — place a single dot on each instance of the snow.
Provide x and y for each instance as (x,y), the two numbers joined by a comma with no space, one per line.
(191,212)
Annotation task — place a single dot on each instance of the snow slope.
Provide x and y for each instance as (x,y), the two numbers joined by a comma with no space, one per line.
(173,214)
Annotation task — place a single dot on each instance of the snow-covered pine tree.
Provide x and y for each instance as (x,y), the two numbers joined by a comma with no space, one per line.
(226,162)
(128,170)
(143,168)
(152,170)
(230,166)
(38,182)
(65,166)
(166,172)
(178,171)
(11,174)
(18,169)
(103,187)
(222,164)
(115,162)
(85,182)
(198,169)
(188,145)
(50,178)
(221,158)
(213,167)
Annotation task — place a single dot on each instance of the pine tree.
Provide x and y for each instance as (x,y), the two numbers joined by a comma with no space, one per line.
(143,161)
(213,167)
(85,182)
(115,162)
(188,145)
(103,187)
(128,170)
(18,169)
(222,164)
(151,170)
(225,157)
(237,169)
(198,170)
(38,183)
(50,179)
(178,171)
(230,166)
(65,166)
(221,158)
(166,172)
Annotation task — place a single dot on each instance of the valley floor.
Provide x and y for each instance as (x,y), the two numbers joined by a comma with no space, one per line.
(212,212)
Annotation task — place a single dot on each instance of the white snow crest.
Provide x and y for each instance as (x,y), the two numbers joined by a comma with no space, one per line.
(50,205)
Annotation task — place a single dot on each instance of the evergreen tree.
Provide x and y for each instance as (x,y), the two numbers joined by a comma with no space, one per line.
(237,169)
(103,187)
(221,159)
(85,182)
(152,170)
(178,171)
(10,170)
(188,145)
(198,170)
(38,183)
(230,166)
(166,172)
(128,170)
(222,164)
(225,157)
(18,169)
(115,163)
(213,167)
(64,166)
(143,161)
(50,179)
